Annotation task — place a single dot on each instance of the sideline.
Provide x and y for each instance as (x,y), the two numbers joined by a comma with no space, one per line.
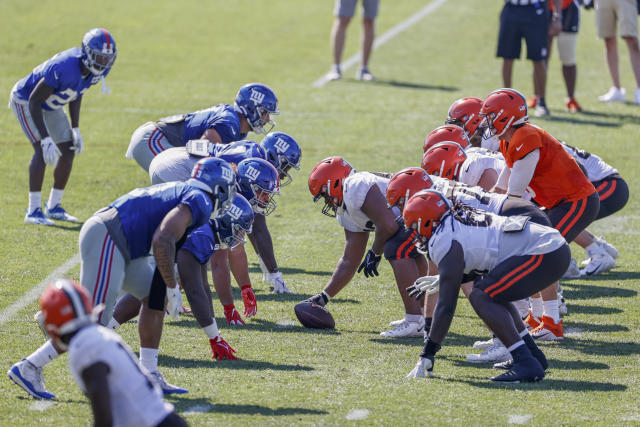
(390,34)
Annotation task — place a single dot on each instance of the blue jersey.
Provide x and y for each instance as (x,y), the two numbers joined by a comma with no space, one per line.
(63,73)
(201,243)
(238,151)
(222,117)
(142,210)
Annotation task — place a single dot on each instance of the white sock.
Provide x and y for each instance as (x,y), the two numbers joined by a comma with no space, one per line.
(55,197)
(413,318)
(45,354)
(537,309)
(35,200)
(211,330)
(524,333)
(149,358)
(336,68)
(593,248)
(113,324)
(522,305)
(551,310)
(514,346)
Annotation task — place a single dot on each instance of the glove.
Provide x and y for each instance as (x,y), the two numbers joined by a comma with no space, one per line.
(276,279)
(77,141)
(174,302)
(424,285)
(321,299)
(370,264)
(220,349)
(249,300)
(265,271)
(424,366)
(50,151)
(232,315)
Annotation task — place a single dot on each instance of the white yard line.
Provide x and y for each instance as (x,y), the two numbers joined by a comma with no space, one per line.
(390,34)
(34,293)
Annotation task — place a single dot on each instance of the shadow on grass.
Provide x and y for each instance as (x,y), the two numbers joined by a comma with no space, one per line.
(240,364)
(602,347)
(592,327)
(576,291)
(589,309)
(578,120)
(411,85)
(615,116)
(255,268)
(546,384)
(265,294)
(611,275)
(188,405)
(553,364)
(68,226)
(452,339)
(256,324)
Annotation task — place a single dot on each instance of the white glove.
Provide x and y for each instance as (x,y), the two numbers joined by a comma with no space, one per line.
(421,369)
(265,271)
(428,284)
(77,141)
(277,281)
(174,301)
(50,151)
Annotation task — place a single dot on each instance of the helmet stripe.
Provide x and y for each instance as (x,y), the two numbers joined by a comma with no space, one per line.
(74,298)
(106,36)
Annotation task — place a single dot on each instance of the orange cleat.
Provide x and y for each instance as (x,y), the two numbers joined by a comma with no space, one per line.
(572,105)
(532,101)
(548,330)
(532,321)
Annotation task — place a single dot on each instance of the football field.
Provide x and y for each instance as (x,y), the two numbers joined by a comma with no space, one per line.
(177,57)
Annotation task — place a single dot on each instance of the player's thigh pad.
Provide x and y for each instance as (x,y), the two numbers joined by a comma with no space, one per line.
(570,218)
(513,207)
(614,194)
(400,245)
(146,142)
(137,277)
(58,125)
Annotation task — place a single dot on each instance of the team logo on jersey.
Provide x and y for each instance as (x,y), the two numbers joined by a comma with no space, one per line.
(281,145)
(253,173)
(234,212)
(256,96)
(227,175)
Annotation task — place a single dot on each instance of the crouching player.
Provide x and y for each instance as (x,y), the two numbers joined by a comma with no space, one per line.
(508,258)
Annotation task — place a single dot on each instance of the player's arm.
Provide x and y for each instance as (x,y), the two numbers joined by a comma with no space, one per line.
(212,135)
(488,179)
(451,270)
(261,240)
(170,230)
(503,181)
(38,96)
(221,276)
(97,386)
(354,248)
(556,21)
(522,172)
(191,279)
(375,207)
(74,111)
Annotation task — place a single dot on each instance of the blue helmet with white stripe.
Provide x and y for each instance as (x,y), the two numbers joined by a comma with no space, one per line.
(284,153)
(253,101)
(258,181)
(216,177)
(234,222)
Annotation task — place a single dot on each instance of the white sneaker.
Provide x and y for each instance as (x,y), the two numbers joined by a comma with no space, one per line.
(365,75)
(405,329)
(482,345)
(573,272)
(614,95)
(611,250)
(599,263)
(396,322)
(37,217)
(562,306)
(494,354)
(334,74)
(29,377)
(637,97)
(165,386)
(58,212)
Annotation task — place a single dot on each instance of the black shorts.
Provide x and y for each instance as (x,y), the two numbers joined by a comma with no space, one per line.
(570,218)
(520,277)
(512,207)
(158,292)
(530,22)
(401,245)
(614,194)
(570,18)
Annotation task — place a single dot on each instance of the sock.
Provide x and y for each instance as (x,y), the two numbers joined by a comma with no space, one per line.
(35,200)
(427,325)
(149,358)
(45,354)
(537,309)
(522,305)
(541,101)
(413,317)
(519,351)
(211,330)
(528,339)
(551,310)
(55,197)
(113,324)
(336,68)
(592,248)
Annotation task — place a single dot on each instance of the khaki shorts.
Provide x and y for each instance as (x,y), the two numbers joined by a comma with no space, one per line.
(347,8)
(613,13)
(567,47)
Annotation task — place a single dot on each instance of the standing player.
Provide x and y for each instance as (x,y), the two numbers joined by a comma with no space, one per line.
(223,123)
(37,102)
(115,241)
(357,201)
(104,367)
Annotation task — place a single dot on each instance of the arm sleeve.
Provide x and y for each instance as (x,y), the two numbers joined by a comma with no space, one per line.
(522,173)
(503,179)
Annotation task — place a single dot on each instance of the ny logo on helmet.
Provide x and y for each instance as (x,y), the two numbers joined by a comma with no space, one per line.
(227,175)
(107,47)
(256,96)
(281,145)
(234,212)
(253,173)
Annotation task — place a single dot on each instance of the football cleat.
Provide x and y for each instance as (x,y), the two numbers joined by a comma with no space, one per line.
(614,95)
(573,272)
(528,370)
(364,74)
(547,330)
(541,111)
(58,212)
(611,250)
(396,322)
(496,353)
(405,329)
(334,73)
(37,217)
(562,306)
(165,386)
(572,105)
(532,322)
(598,263)
(482,345)
(29,377)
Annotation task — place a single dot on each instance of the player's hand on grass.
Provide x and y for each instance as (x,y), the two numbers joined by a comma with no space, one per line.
(249,300)
(423,367)
(279,287)
(174,302)
(220,349)
(232,315)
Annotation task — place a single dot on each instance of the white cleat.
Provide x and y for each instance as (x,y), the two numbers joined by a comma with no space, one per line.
(396,322)
(614,95)
(405,329)
(598,263)
(573,272)
(611,250)
(496,353)
(58,212)
(165,386)
(37,217)
(482,345)
(562,306)
(29,377)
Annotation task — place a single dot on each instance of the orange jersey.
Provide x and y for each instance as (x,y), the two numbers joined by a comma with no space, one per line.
(565,4)
(557,177)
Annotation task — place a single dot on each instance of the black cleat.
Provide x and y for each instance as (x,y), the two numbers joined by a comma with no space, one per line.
(524,372)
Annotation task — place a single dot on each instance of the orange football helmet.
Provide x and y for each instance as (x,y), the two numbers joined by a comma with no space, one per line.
(405,184)
(502,109)
(465,112)
(325,181)
(446,133)
(445,160)
(423,213)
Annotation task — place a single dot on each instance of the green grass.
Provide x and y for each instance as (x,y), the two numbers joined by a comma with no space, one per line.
(181,56)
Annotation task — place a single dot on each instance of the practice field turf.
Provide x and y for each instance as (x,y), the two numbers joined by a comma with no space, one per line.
(181,56)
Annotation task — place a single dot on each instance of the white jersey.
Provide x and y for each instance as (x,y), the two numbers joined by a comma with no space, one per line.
(490,142)
(596,168)
(479,160)
(174,164)
(474,197)
(488,244)
(354,189)
(136,400)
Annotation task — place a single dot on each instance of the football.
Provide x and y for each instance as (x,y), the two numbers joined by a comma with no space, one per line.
(312,315)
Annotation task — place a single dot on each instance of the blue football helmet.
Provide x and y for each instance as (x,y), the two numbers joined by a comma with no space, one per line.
(216,177)
(252,101)
(258,181)
(98,51)
(284,153)
(233,223)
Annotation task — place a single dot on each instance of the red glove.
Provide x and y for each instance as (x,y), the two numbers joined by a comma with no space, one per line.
(249,300)
(221,350)
(232,315)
